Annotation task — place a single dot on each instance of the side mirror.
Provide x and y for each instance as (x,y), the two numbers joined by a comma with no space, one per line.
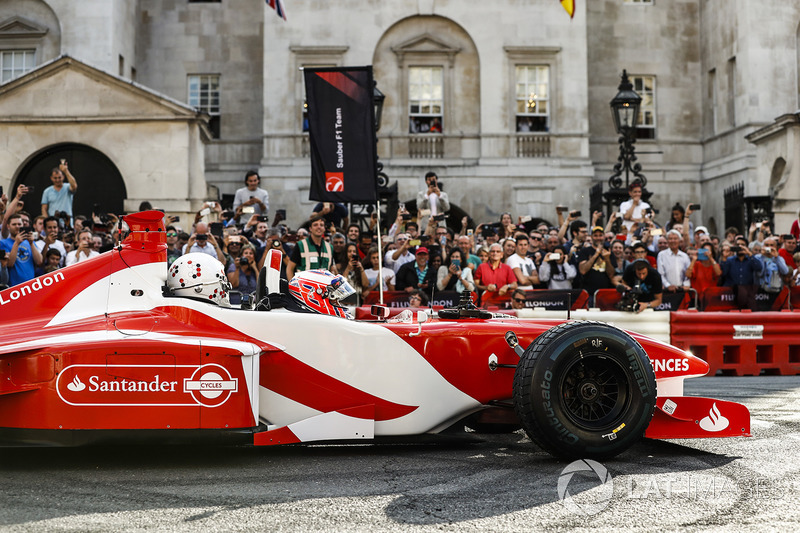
(379,311)
(422,317)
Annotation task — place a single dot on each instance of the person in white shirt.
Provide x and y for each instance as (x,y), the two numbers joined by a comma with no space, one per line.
(433,198)
(673,263)
(633,210)
(522,265)
(387,274)
(401,255)
(50,240)
(83,250)
(251,199)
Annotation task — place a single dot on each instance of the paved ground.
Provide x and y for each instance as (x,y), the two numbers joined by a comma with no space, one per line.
(500,484)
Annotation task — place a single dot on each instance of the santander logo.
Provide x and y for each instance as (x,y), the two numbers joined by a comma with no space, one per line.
(334,181)
(76,385)
(714,421)
(209,385)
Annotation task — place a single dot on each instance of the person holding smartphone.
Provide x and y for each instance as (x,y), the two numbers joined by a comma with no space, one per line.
(703,271)
(22,257)
(250,199)
(58,196)
(454,275)
(243,273)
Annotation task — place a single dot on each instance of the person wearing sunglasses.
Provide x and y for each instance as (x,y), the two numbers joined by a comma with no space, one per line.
(174,251)
(518,299)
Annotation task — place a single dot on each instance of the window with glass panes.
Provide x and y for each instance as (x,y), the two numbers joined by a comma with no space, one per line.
(204,95)
(645,86)
(15,63)
(425,99)
(532,98)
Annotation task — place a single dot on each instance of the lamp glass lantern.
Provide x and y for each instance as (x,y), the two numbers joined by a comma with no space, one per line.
(625,106)
(377,101)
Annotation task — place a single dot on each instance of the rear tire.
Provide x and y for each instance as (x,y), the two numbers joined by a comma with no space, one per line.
(585,390)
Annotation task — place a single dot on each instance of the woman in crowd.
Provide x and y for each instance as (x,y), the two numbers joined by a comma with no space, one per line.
(507,227)
(372,273)
(703,271)
(556,271)
(483,254)
(353,270)
(679,216)
(618,260)
(243,273)
(454,275)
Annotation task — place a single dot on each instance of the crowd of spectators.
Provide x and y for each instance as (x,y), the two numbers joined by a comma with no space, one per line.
(421,255)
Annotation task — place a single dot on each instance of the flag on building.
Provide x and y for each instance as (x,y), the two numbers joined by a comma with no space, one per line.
(341,134)
(568,5)
(277,5)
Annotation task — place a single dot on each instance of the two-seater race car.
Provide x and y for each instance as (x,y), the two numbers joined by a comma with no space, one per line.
(119,347)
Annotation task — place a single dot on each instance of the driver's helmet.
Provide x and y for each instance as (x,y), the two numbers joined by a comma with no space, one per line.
(198,275)
(321,291)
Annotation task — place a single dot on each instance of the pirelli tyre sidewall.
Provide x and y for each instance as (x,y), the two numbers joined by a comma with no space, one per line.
(585,390)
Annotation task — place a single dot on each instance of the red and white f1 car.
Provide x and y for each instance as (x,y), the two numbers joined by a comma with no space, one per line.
(119,347)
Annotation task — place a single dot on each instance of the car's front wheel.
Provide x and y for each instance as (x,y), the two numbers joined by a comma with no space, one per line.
(585,389)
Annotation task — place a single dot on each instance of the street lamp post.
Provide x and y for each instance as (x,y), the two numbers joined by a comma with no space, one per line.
(625,111)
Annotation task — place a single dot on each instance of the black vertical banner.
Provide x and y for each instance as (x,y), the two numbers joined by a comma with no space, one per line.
(341,129)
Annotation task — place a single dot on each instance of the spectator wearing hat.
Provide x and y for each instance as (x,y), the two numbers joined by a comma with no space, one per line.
(594,264)
(494,275)
(416,274)
(642,276)
(673,263)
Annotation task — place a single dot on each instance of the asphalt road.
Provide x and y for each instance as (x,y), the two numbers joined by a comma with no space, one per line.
(501,483)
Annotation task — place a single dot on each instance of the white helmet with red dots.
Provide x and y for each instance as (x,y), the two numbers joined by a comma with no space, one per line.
(321,292)
(199,276)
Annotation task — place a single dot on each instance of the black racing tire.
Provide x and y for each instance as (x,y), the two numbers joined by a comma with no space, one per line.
(585,390)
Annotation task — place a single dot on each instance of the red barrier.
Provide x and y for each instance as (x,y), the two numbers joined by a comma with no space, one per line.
(400,298)
(724,299)
(364,312)
(740,343)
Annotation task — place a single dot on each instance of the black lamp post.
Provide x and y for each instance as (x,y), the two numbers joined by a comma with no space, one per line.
(625,110)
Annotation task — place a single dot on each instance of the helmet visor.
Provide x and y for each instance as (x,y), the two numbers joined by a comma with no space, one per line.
(340,289)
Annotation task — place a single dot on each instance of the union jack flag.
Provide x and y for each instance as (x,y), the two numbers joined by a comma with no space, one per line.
(277,5)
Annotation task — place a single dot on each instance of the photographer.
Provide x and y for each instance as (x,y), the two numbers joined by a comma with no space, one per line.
(642,287)
(374,276)
(243,273)
(774,271)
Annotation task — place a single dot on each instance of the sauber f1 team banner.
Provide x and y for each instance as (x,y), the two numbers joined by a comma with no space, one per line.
(341,127)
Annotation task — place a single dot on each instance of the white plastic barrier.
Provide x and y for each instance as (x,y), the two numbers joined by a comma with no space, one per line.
(655,324)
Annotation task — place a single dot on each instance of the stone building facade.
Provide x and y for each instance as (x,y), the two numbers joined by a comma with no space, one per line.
(521,92)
